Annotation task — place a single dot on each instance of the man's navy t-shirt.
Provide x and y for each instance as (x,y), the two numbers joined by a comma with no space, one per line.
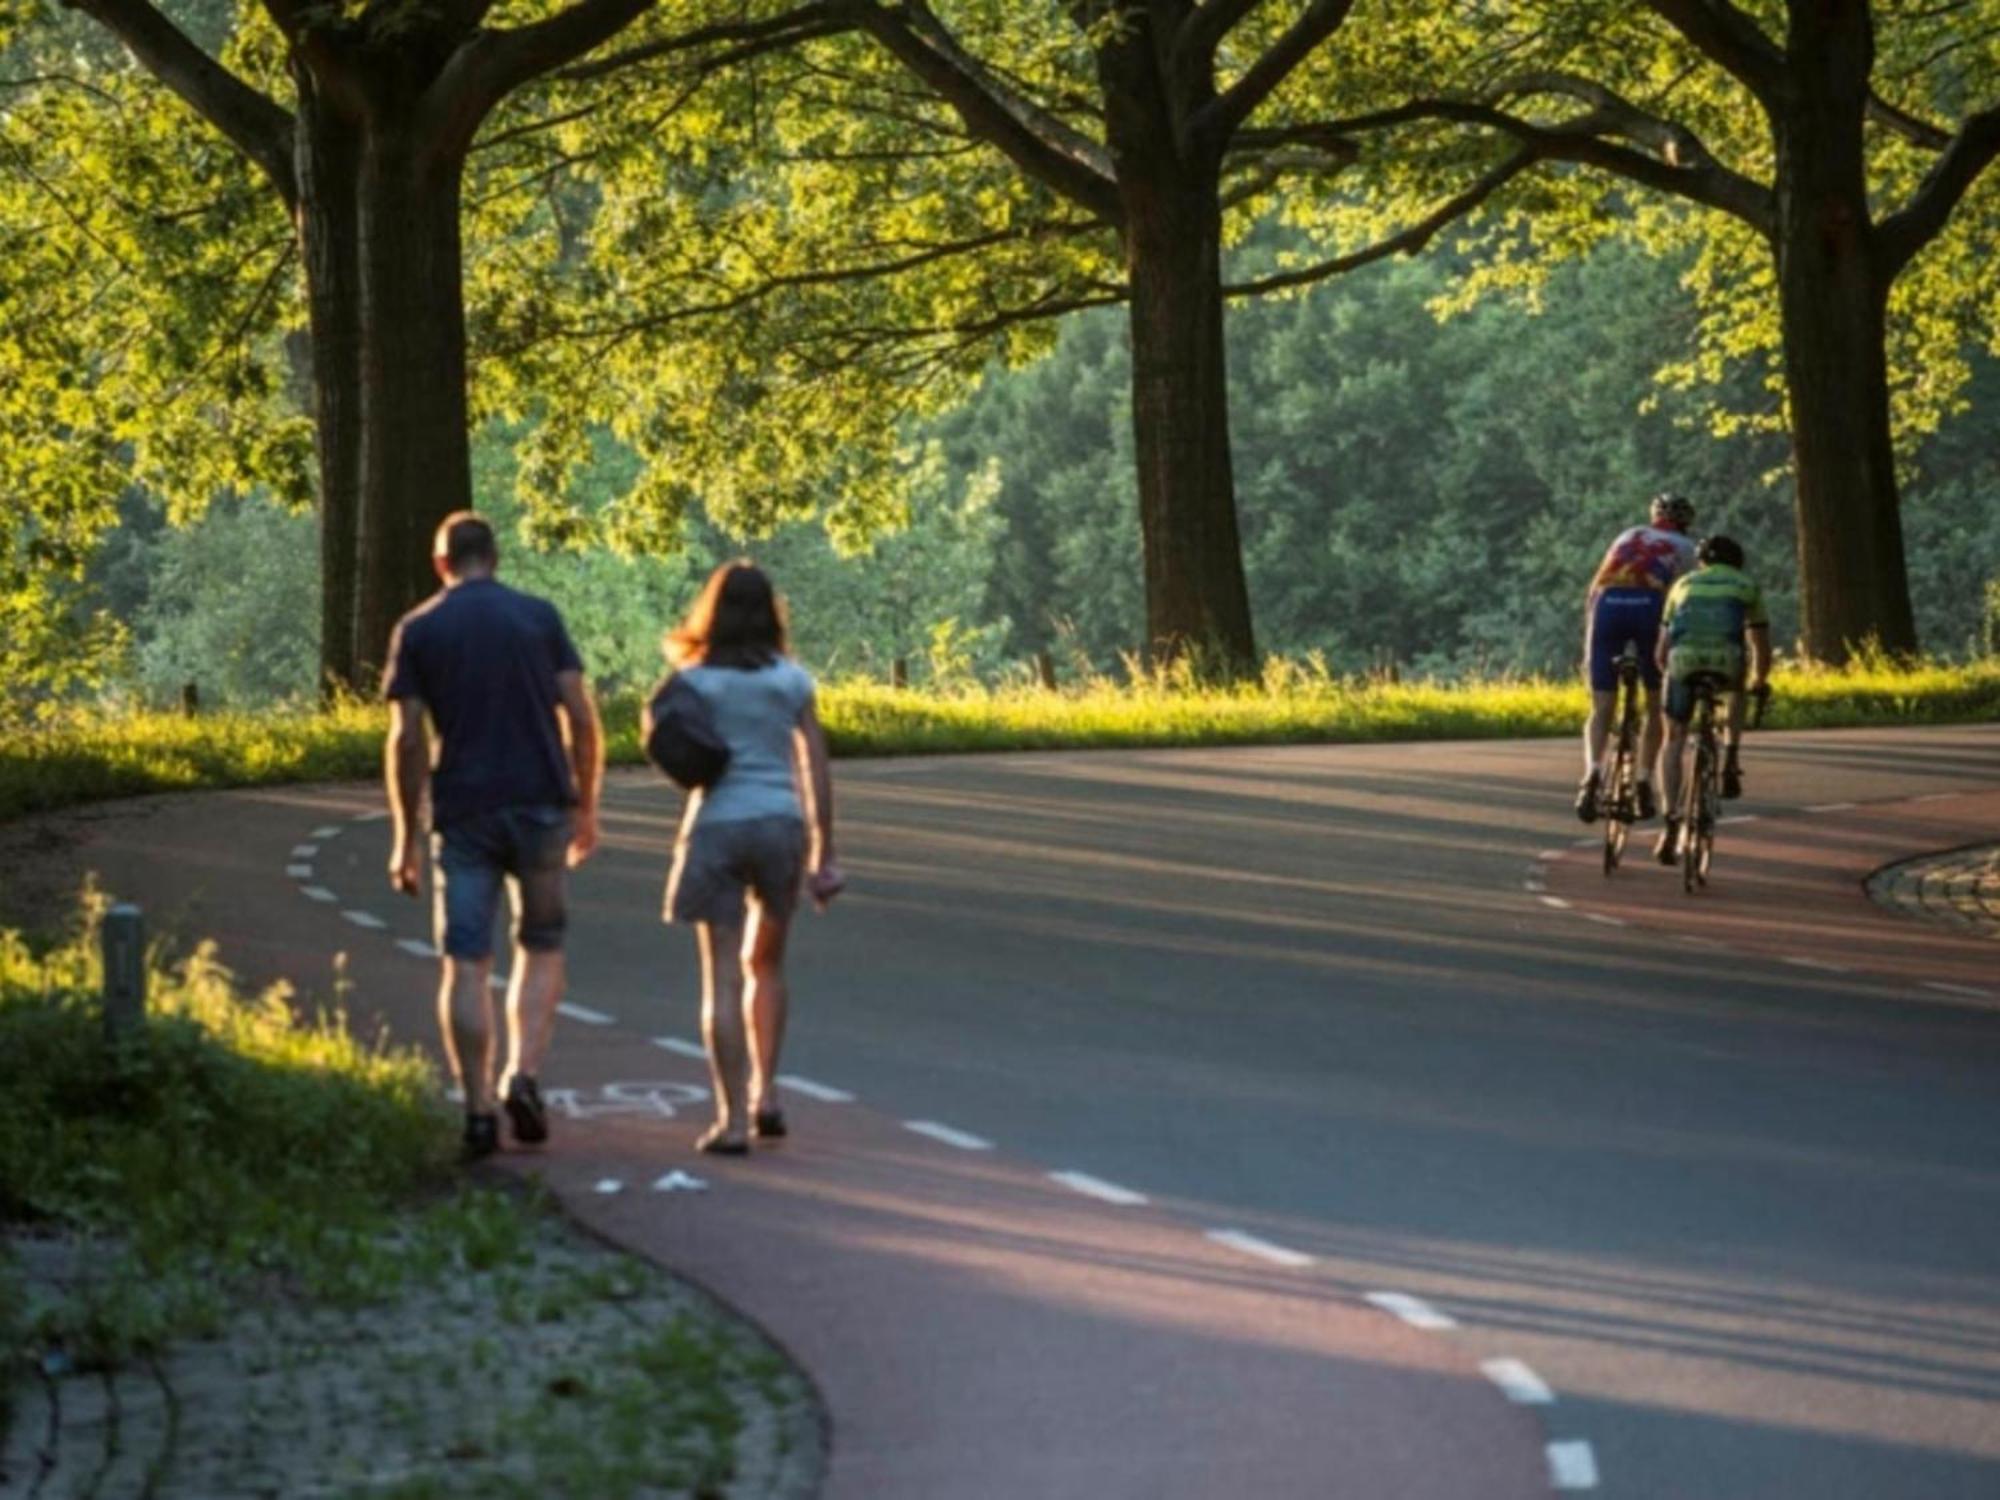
(483,659)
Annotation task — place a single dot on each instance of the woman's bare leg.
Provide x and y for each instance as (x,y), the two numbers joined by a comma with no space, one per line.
(765,1000)
(721,945)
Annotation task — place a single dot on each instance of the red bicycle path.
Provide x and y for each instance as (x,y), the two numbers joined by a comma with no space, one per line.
(975,1330)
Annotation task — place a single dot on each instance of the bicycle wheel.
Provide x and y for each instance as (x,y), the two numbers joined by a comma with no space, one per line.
(1618,807)
(1711,812)
(1694,804)
(1615,823)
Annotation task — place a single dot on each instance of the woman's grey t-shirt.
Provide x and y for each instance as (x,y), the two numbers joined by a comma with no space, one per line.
(756,713)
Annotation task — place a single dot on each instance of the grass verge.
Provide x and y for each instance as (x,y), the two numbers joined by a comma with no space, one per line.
(88,759)
(242,1221)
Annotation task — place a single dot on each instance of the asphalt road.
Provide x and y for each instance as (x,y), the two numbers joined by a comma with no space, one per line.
(1740,1217)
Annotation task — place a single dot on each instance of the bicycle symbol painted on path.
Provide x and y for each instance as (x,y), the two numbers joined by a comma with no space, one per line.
(656,1100)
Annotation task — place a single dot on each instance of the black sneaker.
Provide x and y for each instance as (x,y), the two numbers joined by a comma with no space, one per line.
(1648,804)
(525,1111)
(1586,798)
(1669,847)
(481,1139)
(1732,781)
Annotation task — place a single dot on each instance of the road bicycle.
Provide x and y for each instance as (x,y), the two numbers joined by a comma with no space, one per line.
(1621,796)
(1701,789)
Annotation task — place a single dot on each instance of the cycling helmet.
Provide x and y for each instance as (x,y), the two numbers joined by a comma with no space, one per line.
(1673,510)
(1719,549)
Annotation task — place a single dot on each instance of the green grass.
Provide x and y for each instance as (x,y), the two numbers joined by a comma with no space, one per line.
(232,1140)
(87,759)
(238,1171)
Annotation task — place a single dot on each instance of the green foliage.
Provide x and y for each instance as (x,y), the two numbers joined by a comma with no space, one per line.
(1300,700)
(233,607)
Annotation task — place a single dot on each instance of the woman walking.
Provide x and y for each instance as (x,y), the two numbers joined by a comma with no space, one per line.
(744,841)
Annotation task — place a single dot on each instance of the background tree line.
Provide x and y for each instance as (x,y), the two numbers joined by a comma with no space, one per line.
(759,246)
(1438,506)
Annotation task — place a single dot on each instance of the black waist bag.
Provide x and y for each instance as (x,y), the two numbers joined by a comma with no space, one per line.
(681,738)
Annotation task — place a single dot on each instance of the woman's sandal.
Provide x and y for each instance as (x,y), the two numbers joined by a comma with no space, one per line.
(717,1141)
(768,1125)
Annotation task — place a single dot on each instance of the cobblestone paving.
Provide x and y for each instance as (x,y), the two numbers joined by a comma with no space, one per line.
(1960,887)
(578,1373)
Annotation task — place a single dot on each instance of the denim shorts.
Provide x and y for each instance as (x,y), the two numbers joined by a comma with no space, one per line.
(720,867)
(525,848)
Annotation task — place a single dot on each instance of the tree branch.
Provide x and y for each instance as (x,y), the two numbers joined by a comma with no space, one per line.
(1221,116)
(1584,141)
(1406,242)
(493,64)
(1919,132)
(254,124)
(1900,236)
(1729,38)
(746,38)
(1207,24)
(1041,145)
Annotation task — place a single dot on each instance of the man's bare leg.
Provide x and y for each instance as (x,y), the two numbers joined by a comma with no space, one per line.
(534,990)
(465,1019)
(721,947)
(1651,734)
(766,998)
(1597,731)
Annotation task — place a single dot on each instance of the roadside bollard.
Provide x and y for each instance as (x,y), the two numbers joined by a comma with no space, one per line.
(124,972)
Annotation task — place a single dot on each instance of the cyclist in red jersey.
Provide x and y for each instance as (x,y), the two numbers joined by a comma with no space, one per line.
(1623,609)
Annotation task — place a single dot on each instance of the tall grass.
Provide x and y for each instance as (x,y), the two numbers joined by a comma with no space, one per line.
(86,759)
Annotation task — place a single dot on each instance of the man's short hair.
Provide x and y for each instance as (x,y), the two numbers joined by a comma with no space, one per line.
(465,539)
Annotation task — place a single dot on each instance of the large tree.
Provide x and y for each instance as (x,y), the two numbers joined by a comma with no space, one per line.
(925,189)
(1827,147)
(360,120)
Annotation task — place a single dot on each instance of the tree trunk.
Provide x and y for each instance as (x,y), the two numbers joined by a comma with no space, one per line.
(1197,605)
(328,162)
(415,454)
(1853,583)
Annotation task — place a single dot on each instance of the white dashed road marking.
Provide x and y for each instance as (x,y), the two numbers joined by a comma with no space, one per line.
(331,830)
(304,851)
(1827,807)
(416,947)
(1815,963)
(1600,918)
(826,1093)
(1935,797)
(1556,901)
(1739,818)
(317,893)
(379,815)
(1412,1310)
(608,1186)
(964,1140)
(678,1181)
(1098,1188)
(364,919)
(584,1014)
(299,872)
(682,1046)
(1572,1466)
(1517,1382)
(1970,992)
(1249,1244)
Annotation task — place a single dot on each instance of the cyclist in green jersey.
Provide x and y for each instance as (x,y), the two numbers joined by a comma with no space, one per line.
(1714,623)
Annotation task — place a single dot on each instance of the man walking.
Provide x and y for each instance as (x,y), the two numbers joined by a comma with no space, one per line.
(513,777)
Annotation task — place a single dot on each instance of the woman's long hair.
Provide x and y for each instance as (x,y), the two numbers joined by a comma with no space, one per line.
(737,620)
